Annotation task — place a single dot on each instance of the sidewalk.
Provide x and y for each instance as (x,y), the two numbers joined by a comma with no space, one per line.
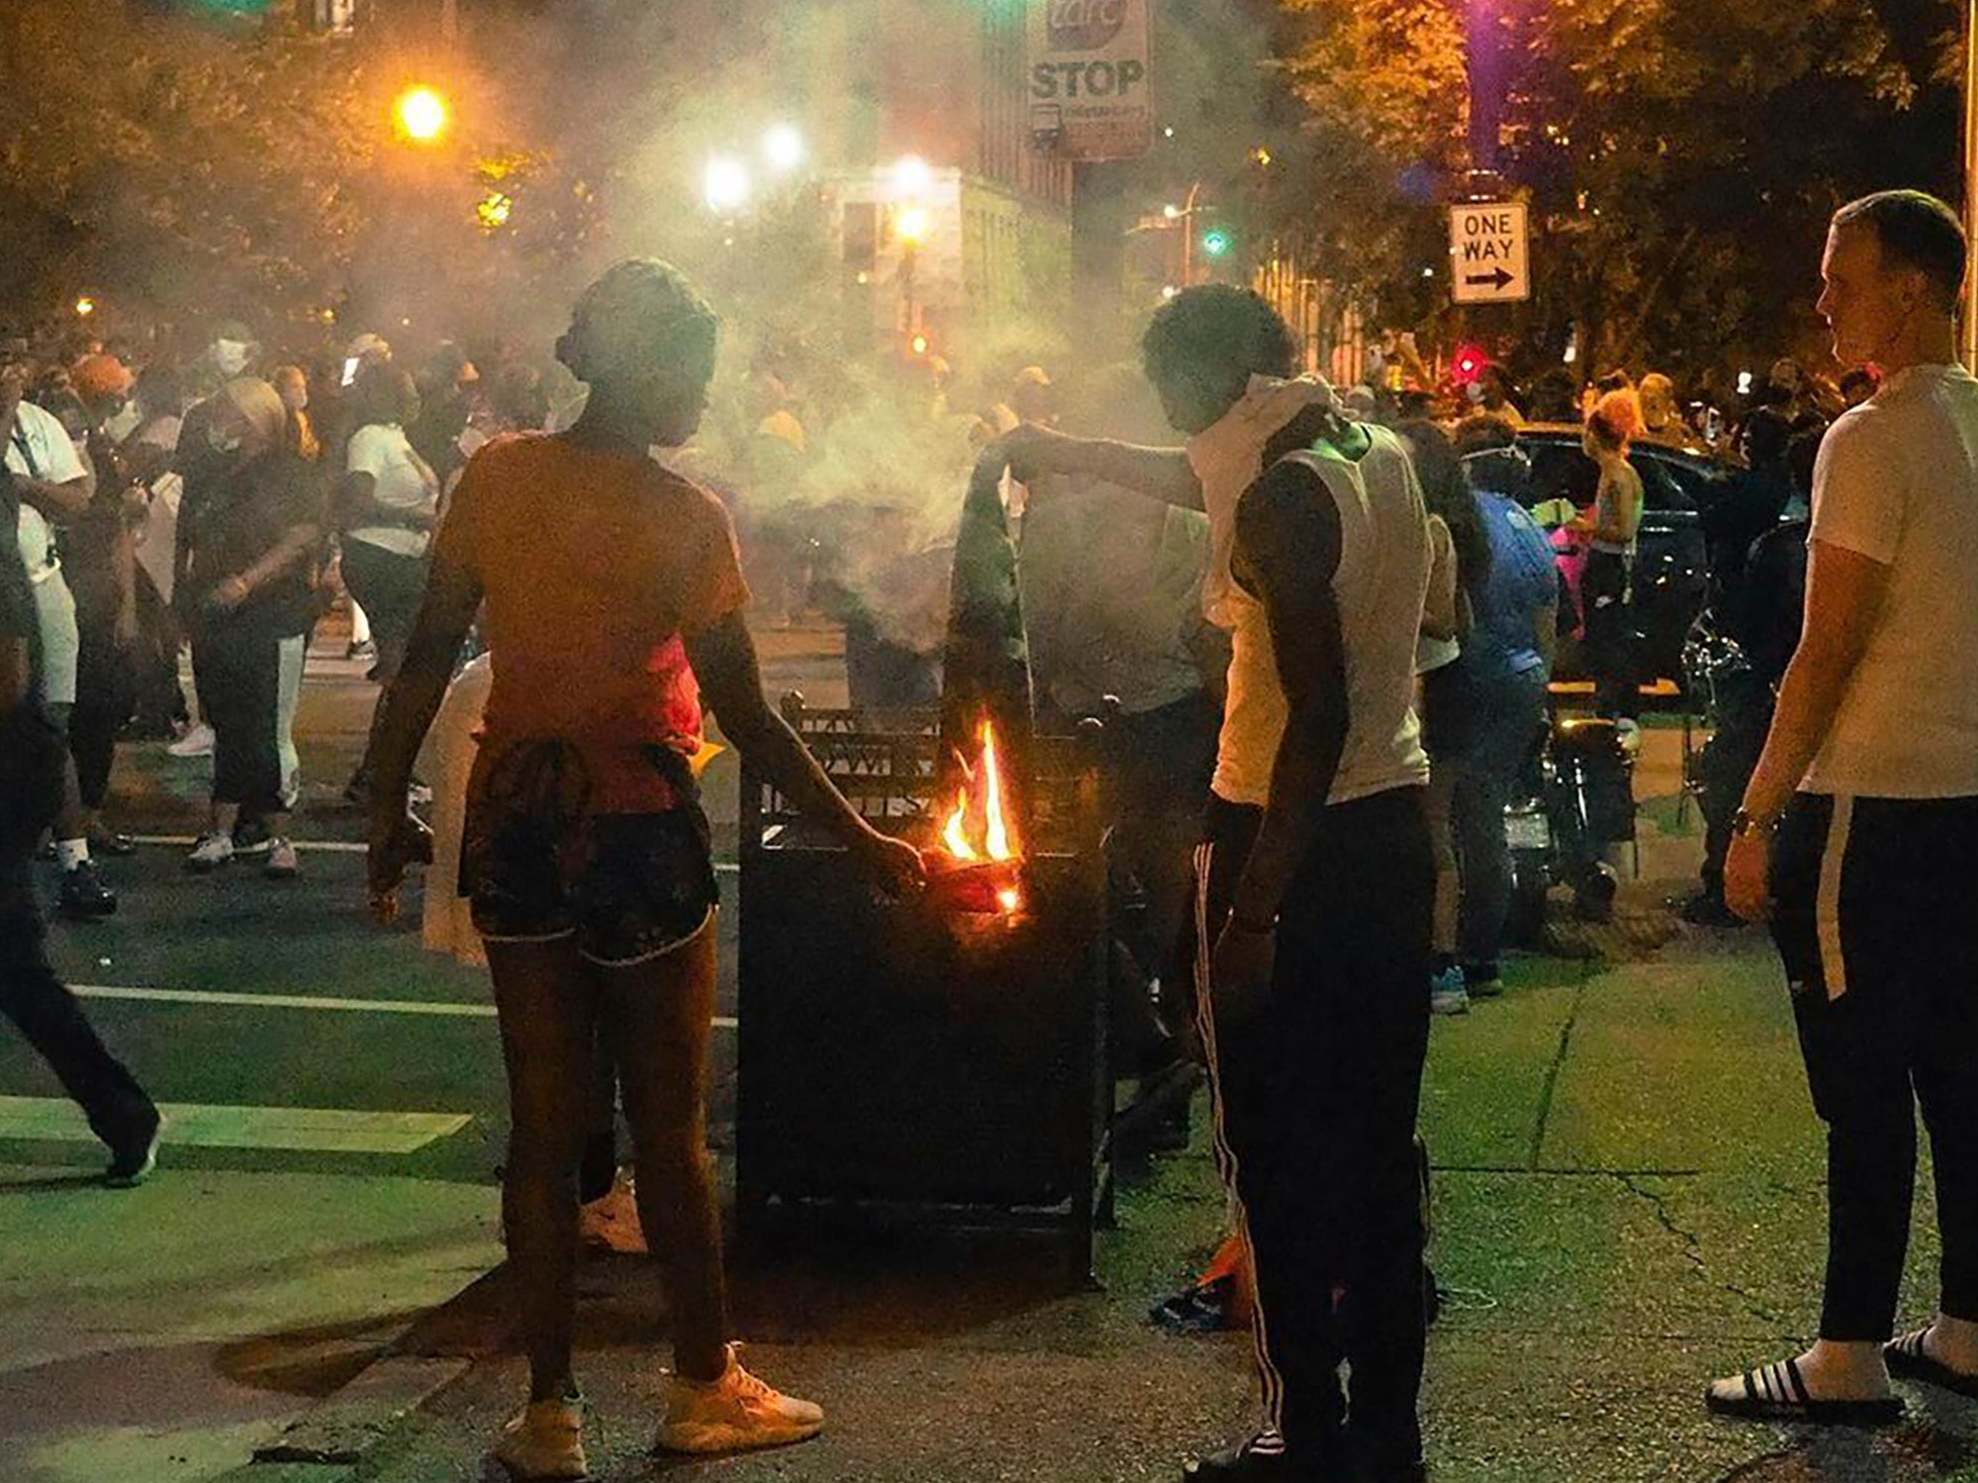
(1629,1200)
(160,1335)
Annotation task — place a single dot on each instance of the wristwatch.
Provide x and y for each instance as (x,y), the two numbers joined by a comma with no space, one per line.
(1747,825)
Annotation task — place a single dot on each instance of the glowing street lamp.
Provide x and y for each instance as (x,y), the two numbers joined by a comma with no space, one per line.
(421,114)
(726,185)
(85,306)
(915,225)
(783,147)
(912,176)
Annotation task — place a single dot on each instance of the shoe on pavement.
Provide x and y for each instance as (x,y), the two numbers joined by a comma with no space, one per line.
(1707,909)
(733,1414)
(84,897)
(1447,994)
(251,837)
(1483,980)
(611,1222)
(282,864)
(364,650)
(1262,1459)
(1201,1308)
(545,1439)
(131,1163)
(198,742)
(117,846)
(209,853)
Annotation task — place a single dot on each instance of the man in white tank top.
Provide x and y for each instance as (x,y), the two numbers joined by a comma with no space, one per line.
(1315,882)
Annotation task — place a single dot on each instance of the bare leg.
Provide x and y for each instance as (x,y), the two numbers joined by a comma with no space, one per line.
(659,1017)
(548,1009)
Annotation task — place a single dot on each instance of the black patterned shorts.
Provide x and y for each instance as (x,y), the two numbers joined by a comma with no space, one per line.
(539,867)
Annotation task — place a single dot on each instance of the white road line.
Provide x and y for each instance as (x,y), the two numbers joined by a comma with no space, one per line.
(333,847)
(196,1125)
(306,1001)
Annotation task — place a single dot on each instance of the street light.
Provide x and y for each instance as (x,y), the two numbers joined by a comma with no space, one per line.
(912,176)
(85,306)
(421,114)
(783,147)
(726,184)
(914,225)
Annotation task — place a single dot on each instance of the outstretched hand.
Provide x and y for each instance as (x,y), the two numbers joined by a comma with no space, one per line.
(1031,452)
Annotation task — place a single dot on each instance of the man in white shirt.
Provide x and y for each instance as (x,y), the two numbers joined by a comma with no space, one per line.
(1315,876)
(53,482)
(1860,825)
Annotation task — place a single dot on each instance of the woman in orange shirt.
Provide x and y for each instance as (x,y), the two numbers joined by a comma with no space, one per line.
(612,593)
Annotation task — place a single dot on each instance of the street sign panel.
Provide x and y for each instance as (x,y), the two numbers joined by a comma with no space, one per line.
(1490,253)
(1091,96)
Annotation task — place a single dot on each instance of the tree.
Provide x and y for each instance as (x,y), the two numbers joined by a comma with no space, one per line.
(1681,156)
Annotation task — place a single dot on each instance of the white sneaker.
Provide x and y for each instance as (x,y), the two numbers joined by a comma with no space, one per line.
(545,1439)
(282,864)
(197,742)
(611,1222)
(210,852)
(1448,994)
(733,1414)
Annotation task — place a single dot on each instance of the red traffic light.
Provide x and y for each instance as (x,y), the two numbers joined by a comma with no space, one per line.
(1469,364)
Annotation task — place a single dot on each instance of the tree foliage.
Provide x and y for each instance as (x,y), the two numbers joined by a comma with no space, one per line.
(1681,156)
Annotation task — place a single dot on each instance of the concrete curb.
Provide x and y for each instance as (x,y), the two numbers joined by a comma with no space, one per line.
(440,1347)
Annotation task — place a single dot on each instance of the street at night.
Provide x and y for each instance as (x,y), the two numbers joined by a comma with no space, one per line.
(989,741)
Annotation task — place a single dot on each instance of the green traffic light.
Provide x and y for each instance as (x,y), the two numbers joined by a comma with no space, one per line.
(1216,242)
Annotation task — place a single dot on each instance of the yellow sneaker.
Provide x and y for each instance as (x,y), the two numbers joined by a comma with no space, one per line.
(733,1414)
(611,1222)
(545,1439)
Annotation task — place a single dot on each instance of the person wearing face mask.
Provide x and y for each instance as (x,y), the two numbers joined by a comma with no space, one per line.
(247,581)
(389,503)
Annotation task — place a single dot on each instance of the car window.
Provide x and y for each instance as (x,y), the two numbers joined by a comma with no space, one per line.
(1562,470)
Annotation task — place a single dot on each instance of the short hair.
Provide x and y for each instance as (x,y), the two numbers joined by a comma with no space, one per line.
(1859,376)
(381,394)
(1482,432)
(1915,231)
(1218,325)
(640,314)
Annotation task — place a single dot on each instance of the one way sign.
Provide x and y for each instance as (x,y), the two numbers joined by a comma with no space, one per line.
(1490,253)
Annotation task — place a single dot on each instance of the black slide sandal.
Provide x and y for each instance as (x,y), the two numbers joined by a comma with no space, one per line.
(1907,1361)
(1775,1392)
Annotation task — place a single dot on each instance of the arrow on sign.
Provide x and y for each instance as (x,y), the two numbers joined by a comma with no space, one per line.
(1497,278)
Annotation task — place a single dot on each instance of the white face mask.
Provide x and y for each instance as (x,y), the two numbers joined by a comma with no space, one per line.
(230,356)
(124,423)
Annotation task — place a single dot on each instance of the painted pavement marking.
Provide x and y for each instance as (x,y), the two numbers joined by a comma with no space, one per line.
(306,1001)
(290,1129)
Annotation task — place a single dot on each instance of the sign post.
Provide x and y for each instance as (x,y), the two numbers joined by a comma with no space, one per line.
(1091,96)
(1490,253)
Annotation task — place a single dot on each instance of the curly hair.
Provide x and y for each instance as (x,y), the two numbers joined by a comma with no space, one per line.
(1221,329)
(639,315)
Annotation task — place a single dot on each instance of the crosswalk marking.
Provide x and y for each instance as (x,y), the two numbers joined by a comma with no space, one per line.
(336,847)
(290,1129)
(306,1001)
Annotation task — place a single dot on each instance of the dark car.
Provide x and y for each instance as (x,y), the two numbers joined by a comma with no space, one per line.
(1672,573)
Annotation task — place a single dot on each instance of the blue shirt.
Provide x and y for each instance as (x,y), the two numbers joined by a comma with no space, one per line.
(1523,578)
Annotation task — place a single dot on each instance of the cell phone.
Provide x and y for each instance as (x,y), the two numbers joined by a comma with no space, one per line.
(350,369)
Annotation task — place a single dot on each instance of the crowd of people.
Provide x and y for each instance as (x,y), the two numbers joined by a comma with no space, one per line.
(1329,623)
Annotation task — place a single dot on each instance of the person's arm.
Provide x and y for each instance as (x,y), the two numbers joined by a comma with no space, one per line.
(1627,506)
(724,661)
(1844,595)
(69,485)
(1441,617)
(1287,551)
(357,499)
(1545,632)
(1160,473)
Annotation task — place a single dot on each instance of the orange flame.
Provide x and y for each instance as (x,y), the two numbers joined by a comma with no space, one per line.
(979,830)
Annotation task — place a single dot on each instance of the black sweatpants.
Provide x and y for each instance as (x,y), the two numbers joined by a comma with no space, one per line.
(1876,920)
(238,666)
(1610,636)
(37,1002)
(105,698)
(1316,1098)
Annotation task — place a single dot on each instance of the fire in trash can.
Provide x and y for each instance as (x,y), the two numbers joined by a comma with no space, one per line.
(979,840)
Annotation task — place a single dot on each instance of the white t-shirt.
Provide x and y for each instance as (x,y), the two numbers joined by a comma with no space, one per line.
(399,482)
(39,448)
(1897,482)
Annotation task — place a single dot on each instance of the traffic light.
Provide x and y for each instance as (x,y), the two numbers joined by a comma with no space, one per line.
(1468,364)
(1217,241)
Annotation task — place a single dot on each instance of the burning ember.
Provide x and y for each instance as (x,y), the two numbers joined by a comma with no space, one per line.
(978,839)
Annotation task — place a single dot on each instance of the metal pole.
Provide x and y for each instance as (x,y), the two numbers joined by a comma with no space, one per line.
(1969,335)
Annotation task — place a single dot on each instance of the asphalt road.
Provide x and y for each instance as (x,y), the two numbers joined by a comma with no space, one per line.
(240,1000)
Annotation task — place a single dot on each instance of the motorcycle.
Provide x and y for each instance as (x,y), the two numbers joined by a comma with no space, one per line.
(1575,804)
